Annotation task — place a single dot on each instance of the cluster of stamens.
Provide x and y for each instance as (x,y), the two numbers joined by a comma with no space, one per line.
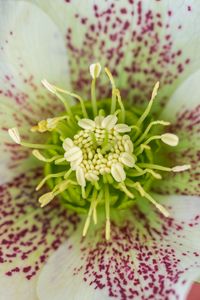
(105,154)
(102,147)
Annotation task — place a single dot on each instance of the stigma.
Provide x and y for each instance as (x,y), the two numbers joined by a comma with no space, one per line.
(100,153)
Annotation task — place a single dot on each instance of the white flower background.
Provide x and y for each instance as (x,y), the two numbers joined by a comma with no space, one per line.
(42,255)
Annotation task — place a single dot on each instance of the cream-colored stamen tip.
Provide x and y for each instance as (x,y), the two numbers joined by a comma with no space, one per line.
(48,86)
(95,70)
(170,139)
(14,134)
(181,168)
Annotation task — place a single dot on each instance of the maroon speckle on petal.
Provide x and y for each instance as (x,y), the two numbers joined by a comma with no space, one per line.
(25,109)
(130,41)
(29,234)
(146,264)
(187,127)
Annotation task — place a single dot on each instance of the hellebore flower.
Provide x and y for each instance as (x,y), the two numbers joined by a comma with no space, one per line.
(112,224)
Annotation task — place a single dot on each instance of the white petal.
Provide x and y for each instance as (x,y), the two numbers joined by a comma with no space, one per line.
(170,139)
(95,70)
(34,45)
(86,124)
(32,48)
(73,154)
(23,225)
(68,144)
(109,122)
(169,37)
(122,128)
(118,172)
(164,246)
(183,111)
(127,159)
(80,176)
(17,288)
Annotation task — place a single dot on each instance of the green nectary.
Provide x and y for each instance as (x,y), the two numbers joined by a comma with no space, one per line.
(100,153)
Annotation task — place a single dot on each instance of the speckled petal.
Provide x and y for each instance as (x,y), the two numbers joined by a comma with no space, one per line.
(183,110)
(29,235)
(140,41)
(148,257)
(31,49)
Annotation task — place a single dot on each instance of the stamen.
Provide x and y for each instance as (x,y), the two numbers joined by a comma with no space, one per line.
(160,122)
(52,122)
(60,187)
(87,222)
(83,192)
(48,86)
(53,89)
(95,70)
(14,134)
(40,127)
(41,146)
(117,172)
(109,122)
(113,101)
(48,125)
(48,177)
(152,138)
(141,172)
(181,168)
(98,199)
(122,128)
(41,157)
(123,187)
(73,154)
(67,174)
(107,209)
(147,110)
(170,139)
(143,193)
(127,159)
(80,176)
(122,115)
(67,144)
(59,161)
(84,111)
(167,138)
(154,166)
(166,169)
(45,199)
(141,148)
(86,124)
(105,145)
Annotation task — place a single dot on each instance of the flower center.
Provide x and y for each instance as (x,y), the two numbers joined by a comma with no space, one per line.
(100,148)
(100,153)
